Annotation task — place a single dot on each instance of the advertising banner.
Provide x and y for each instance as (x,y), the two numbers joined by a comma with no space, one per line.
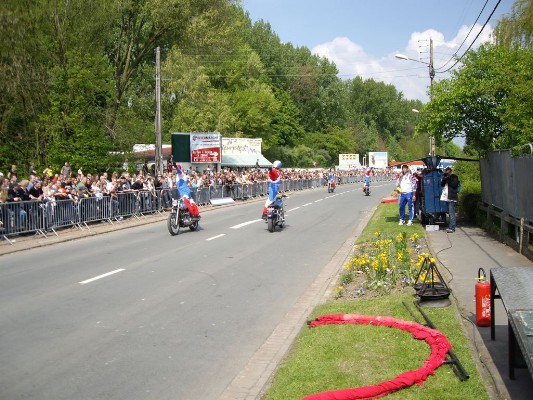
(241,146)
(205,147)
(378,159)
(349,161)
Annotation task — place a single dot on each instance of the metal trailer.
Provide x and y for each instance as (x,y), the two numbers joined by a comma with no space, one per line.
(432,210)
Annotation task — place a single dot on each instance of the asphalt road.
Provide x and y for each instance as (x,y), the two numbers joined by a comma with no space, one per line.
(139,314)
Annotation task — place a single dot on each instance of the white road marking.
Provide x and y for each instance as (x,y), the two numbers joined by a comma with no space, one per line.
(244,224)
(316,201)
(292,209)
(102,276)
(216,237)
(307,204)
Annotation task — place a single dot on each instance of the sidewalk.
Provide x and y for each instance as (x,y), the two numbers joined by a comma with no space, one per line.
(459,256)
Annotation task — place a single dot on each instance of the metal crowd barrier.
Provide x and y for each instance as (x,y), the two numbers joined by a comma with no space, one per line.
(21,217)
(41,217)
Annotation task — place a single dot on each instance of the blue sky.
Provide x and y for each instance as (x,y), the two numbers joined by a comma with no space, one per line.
(363,36)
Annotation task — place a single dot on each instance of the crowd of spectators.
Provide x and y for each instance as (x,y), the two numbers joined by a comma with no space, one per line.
(64,184)
(52,185)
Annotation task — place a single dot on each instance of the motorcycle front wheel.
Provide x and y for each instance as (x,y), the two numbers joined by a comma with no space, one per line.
(173,223)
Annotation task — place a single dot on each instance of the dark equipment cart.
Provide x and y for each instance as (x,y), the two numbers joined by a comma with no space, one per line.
(432,209)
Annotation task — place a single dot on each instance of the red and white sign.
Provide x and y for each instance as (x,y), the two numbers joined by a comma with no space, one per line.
(205,148)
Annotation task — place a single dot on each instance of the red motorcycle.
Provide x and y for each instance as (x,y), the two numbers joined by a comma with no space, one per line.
(183,213)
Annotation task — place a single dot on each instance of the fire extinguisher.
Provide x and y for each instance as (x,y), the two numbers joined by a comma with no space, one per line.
(482,299)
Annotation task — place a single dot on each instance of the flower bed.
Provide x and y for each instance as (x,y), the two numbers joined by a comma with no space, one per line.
(384,265)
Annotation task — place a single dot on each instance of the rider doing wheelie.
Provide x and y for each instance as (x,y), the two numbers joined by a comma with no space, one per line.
(185,192)
(366,186)
(274,183)
(331,180)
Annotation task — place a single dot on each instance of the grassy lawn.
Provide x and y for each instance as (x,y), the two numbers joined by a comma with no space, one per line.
(385,219)
(335,357)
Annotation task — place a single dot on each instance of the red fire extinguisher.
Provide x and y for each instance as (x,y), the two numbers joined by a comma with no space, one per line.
(482,299)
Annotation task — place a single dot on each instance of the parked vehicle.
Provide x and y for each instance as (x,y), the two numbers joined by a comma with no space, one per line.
(180,217)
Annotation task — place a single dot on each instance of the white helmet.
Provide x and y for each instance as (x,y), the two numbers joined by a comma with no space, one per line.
(277,164)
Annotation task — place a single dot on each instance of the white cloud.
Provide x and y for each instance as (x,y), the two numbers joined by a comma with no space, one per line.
(409,77)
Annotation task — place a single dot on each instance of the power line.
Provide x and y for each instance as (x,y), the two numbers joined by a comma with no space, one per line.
(466,37)
(477,36)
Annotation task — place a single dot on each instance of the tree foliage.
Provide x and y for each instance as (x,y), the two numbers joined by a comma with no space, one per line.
(489,100)
(516,30)
(79,84)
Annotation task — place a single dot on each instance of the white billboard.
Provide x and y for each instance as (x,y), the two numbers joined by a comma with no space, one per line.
(378,159)
(349,161)
(240,146)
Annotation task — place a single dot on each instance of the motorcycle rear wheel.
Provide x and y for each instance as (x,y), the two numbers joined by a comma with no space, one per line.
(173,223)
(193,226)
(271,225)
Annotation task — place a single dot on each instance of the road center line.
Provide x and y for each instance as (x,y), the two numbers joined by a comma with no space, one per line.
(292,209)
(316,201)
(307,204)
(102,276)
(244,224)
(216,237)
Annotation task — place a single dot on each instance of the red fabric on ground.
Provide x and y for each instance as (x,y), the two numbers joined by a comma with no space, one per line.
(390,200)
(435,339)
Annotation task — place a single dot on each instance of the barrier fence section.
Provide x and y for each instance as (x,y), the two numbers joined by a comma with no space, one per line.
(44,217)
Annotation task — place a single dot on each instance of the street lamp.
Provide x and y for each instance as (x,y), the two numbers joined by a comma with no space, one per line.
(429,64)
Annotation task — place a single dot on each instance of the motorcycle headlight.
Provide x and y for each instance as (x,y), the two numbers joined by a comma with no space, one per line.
(174,202)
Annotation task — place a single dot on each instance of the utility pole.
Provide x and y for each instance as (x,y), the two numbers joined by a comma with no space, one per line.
(431,71)
(158,147)
(431,76)
(431,68)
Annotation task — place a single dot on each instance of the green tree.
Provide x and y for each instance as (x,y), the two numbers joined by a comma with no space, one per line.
(286,127)
(333,141)
(489,100)
(516,30)
(24,60)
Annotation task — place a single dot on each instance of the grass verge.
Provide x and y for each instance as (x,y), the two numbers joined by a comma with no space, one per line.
(335,357)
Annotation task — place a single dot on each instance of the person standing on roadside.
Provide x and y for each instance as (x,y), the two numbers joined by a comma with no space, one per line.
(450,183)
(407,190)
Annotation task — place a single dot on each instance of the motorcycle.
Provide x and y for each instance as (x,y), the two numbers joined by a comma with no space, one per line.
(180,217)
(366,189)
(276,213)
(331,186)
